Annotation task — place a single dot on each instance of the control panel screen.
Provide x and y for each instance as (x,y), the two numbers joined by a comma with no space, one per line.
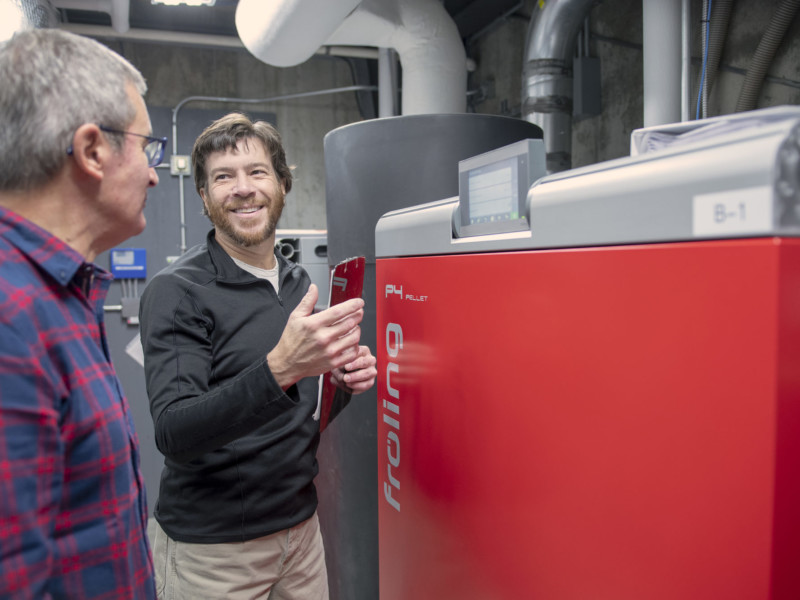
(493,195)
(493,189)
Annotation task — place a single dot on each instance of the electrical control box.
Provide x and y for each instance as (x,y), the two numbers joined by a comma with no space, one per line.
(128,263)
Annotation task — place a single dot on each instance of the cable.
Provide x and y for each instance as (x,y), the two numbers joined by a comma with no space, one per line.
(705,61)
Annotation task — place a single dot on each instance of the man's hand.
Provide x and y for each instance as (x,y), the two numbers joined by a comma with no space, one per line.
(359,375)
(313,344)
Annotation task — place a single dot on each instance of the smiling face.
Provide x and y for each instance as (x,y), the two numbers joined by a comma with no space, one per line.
(243,196)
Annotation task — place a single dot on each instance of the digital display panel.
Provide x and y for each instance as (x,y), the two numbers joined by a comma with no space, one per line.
(493,189)
(493,193)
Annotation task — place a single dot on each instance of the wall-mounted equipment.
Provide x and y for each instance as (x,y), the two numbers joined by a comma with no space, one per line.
(309,249)
(128,265)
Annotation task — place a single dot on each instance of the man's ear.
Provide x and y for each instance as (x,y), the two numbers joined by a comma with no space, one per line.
(90,150)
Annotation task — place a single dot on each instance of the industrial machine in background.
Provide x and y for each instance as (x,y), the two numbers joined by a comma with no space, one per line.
(592,390)
(309,249)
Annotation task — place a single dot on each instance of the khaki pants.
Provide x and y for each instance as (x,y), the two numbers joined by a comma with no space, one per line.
(288,565)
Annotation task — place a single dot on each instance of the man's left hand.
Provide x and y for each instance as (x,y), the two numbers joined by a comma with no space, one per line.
(358,375)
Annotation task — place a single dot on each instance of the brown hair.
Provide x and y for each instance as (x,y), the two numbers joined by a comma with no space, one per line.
(225,133)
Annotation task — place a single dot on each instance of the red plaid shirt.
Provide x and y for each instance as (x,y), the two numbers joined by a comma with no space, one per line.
(73,511)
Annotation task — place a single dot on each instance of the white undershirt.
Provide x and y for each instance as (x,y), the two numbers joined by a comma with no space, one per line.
(270,275)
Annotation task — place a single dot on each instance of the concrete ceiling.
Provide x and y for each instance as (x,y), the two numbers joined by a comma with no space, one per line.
(471,16)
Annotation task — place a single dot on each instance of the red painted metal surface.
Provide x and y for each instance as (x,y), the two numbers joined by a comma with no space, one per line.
(608,423)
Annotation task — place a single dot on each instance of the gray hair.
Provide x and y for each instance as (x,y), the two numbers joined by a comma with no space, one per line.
(53,82)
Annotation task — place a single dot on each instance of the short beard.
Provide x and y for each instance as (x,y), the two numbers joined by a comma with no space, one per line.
(219,218)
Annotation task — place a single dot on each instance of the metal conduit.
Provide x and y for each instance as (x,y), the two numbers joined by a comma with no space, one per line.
(718,32)
(720,17)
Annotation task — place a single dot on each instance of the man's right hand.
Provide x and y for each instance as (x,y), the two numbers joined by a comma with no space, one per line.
(313,344)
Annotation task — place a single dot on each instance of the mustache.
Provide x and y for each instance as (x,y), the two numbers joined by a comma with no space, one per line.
(252,204)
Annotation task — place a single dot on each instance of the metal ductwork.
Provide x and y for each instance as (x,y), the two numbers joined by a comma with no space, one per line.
(285,33)
(547,75)
(288,32)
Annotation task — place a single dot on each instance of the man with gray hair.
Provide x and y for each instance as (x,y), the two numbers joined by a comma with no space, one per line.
(77,157)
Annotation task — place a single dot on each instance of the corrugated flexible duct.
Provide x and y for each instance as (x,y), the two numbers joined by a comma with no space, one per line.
(547,75)
(773,36)
(423,34)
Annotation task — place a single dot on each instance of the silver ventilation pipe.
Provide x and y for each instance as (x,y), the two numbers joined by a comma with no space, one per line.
(547,75)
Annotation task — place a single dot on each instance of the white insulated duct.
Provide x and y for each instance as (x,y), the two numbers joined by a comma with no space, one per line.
(285,33)
(22,15)
(119,10)
(429,47)
(423,34)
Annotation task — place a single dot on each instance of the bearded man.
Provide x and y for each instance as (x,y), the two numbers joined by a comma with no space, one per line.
(233,352)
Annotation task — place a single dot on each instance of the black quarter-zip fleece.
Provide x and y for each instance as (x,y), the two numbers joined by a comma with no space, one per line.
(240,453)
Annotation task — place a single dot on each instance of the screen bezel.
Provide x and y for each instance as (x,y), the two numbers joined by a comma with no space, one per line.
(521,185)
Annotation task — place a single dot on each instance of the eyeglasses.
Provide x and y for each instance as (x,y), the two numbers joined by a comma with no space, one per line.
(154,149)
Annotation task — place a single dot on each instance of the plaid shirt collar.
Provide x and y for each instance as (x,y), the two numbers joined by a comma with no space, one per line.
(54,256)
